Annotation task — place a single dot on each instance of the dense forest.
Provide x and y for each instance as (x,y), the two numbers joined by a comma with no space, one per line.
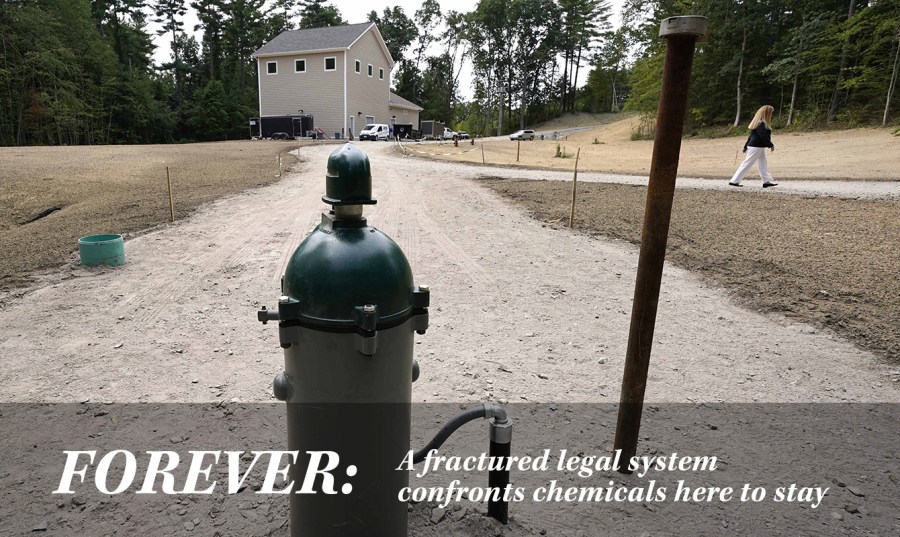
(81,71)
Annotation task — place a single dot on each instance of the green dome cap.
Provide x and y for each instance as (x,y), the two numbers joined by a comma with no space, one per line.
(349,179)
(333,272)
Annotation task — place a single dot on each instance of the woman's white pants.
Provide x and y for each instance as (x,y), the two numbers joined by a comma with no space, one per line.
(757,156)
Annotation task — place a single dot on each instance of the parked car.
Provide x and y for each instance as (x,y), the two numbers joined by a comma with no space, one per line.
(463,135)
(449,134)
(526,134)
(375,131)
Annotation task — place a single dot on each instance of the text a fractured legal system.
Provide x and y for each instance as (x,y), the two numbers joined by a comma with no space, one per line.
(584,465)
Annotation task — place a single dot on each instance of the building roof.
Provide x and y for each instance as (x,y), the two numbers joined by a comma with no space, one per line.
(314,39)
(400,102)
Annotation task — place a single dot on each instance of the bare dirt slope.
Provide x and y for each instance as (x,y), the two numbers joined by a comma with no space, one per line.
(112,189)
(859,154)
(828,261)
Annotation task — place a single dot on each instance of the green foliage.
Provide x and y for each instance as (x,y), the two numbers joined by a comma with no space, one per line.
(78,72)
(561,152)
(397,30)
(790,59)
(315,14)
(208,115)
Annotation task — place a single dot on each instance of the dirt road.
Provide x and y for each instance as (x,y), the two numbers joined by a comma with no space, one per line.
(856,154)
(520,312)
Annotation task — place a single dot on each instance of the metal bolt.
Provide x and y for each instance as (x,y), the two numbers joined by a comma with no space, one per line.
(368,308)
(284,299)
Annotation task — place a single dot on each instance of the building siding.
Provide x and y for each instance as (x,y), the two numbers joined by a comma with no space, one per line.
(406,116)
(316,92)
(368,96)
(322,93)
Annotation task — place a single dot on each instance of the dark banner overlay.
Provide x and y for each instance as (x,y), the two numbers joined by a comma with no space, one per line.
(226,469)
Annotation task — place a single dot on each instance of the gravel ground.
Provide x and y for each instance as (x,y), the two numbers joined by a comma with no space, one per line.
(183,309)
(521,311)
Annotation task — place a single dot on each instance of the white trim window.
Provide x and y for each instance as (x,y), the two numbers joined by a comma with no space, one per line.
(333,62)
(370,70)
(300,65)
(358,67)
(380,73)
(272,68)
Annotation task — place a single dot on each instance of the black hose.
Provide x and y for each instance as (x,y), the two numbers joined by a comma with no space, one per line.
(498,508)
(451,426)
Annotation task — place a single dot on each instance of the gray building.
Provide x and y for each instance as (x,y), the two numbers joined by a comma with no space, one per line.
(340,75)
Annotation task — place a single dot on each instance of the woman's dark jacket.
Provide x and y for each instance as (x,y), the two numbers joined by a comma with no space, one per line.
(761,136)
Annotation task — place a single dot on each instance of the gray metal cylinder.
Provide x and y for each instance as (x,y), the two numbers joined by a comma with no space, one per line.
(346,321)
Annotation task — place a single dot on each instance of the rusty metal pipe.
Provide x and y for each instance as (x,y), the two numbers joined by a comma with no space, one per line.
(681,34)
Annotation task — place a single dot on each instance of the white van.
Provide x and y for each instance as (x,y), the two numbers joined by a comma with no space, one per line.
(375,131)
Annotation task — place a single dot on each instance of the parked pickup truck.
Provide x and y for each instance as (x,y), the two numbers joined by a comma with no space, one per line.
(449,134)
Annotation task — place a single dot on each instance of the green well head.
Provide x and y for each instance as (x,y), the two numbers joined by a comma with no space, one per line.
(348,180)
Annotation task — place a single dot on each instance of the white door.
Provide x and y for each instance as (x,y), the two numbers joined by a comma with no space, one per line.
(353,125)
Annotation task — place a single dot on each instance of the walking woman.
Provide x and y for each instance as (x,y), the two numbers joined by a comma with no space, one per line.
(755,148)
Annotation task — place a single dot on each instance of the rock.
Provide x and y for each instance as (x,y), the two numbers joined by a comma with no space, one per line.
(461,514)
(601,361)
(78,501)
(437,514)
(189,525)
(850,508)
(42,526)
(856,492)
(837,516)
(542,376)
(118,345)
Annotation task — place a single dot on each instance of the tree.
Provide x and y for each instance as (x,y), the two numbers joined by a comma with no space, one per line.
(315,14)
(795,59)
(836,95)
(282,15)
(605,87)
(427,19)
(167,13)
(397,30)
(209,114)
(583,21)
(211,13)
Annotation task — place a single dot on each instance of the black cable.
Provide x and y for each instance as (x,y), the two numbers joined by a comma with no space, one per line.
(449,428)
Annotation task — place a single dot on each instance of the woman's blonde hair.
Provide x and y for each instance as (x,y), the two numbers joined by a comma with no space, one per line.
(763,115)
